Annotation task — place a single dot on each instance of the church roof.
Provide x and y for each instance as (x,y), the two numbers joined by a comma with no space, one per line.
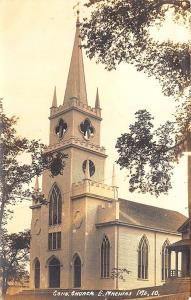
(151,217)
(76,84)
(184,227)
(180,245)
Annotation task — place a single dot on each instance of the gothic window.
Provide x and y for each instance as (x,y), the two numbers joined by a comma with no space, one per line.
(55,206)
(37,274)
(77,272)
(143,258)
(61,128)
(54,273)
(91,167)
(105,257)
(165,260)
(87,129)
(54,240)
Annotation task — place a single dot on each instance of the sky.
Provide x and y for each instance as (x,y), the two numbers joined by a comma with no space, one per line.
(36,40)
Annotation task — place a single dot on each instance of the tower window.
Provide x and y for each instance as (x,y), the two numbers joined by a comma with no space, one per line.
(87,129)
(165,260)
(55,206)
(143,258)
(61,128)
(54,240)
(105,257)
(91,167)
(54,273)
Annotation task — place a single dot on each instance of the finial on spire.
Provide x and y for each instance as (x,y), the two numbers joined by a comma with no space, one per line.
(54,101)
(87,170)
(78,18)
(77,7)
(97,102)
(76,84)
(36,185)
(114,183)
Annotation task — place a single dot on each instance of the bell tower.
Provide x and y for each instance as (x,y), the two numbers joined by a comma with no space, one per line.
(63,231)
(75,130)
(75,126)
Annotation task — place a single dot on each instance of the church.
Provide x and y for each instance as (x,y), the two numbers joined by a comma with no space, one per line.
(86,237)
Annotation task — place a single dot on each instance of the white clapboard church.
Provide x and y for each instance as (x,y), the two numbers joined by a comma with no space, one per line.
(86,234)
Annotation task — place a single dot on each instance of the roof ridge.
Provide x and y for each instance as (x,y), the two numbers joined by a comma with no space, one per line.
(166,209)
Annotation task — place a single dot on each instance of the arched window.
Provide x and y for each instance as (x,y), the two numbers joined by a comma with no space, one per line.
(77,272)
(55,206)
(37,274)
(143,258)
(105,257)
(54,273)
(165,260)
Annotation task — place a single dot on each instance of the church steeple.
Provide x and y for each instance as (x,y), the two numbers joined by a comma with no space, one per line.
(54,100)
(76,85)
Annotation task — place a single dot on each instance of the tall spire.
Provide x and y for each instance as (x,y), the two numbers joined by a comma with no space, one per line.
(54,101)
(97,102)
(76,84)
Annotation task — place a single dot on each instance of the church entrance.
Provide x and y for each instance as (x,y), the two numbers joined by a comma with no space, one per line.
(54,273)
(77,272)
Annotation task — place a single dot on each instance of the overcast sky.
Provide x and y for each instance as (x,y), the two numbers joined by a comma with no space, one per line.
(36,40)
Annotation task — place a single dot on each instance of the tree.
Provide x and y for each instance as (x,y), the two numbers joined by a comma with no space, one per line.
(120,31)
(149,154)
(14,256)
(15,175)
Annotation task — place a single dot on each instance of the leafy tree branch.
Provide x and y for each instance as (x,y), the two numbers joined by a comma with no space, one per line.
(120,31)
(16,174)
(148,155)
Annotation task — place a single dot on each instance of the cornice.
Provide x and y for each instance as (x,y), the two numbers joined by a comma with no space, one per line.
(78,144)
(120,223)
(86,111)
(89,195)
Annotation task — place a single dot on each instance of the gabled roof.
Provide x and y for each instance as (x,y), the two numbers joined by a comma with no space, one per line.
(142,215)
(184,227)
(180,245)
